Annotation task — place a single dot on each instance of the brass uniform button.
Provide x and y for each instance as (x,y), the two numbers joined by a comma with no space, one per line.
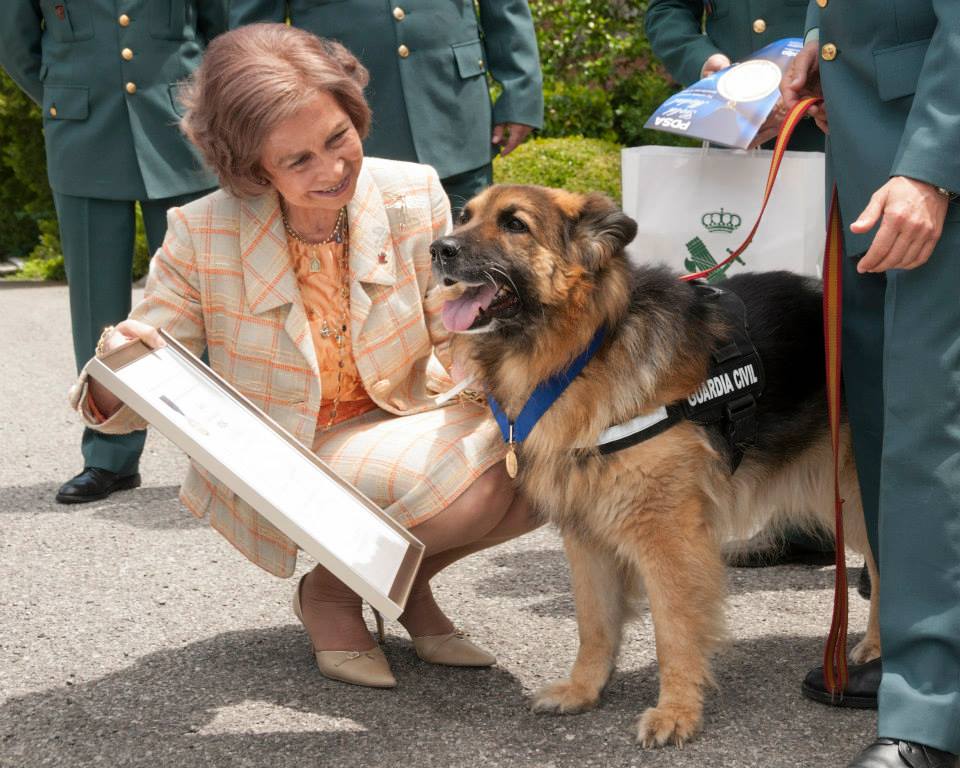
(124,20)
(829,52)
(759,26)
(403,51)
(127,54)
(131,87)
(53,111)
(480,63)
(822,3)
(398,13)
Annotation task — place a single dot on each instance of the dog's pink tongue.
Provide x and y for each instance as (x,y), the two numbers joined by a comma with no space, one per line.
(458,314)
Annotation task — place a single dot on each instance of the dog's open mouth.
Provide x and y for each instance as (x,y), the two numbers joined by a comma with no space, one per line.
(478,305)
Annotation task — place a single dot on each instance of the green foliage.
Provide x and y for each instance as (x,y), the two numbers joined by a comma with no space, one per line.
(574,163)
(601,78)
(46,259)
(141,252)
(28,220)
(25,199)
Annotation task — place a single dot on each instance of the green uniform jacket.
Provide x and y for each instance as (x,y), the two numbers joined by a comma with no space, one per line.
(105,73)
(735,28)
(428,61)
(892,95)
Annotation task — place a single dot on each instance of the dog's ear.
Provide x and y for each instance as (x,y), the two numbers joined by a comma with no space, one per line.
(601,230)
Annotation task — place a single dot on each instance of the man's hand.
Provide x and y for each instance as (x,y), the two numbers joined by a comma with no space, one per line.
(913,213)
(714,64)
(802,80)
(771,126)
(516,132)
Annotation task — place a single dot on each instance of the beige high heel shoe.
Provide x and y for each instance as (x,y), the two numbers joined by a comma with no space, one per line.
(369,668)
(453,649)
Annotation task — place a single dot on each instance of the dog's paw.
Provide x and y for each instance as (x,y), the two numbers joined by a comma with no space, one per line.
(564,697)
(659,726)
(866,650)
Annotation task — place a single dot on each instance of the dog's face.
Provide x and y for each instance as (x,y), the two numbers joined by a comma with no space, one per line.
(526,254)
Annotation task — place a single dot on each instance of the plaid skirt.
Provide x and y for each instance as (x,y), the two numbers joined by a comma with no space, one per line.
(413,466)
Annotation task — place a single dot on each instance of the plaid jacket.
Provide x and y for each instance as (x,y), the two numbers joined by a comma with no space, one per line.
(224,280)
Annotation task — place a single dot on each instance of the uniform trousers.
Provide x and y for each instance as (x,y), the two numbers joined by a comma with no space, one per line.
(901,369)
(462,186)
(97,237)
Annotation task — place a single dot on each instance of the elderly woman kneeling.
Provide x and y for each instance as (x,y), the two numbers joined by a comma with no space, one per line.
(307,279)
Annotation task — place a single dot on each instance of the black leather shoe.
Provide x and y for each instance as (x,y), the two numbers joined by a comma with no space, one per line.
(863,682)
(892,753)
(94,484)
(760,552)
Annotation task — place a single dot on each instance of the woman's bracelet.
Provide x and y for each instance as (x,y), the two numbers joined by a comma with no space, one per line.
(103,337)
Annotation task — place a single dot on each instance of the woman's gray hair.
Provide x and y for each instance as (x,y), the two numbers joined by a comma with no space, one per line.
(251,79)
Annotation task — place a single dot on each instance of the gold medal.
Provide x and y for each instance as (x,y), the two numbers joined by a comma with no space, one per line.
(511,457)
(511,462)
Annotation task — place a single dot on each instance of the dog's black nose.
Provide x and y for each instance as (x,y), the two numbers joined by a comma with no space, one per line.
(444,249)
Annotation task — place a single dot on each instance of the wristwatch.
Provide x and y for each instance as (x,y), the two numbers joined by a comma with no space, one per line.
(947,193)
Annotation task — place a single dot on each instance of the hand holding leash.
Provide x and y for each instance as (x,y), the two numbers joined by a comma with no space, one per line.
(802,81)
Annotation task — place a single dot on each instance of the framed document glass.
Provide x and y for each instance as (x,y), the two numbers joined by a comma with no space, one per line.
(240,445)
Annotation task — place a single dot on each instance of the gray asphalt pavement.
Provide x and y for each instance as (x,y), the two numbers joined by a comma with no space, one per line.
(132,634)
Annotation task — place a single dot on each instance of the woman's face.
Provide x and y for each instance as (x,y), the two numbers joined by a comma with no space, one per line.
(313,157)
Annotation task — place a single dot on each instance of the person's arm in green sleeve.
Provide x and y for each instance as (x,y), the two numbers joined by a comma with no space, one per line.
(511,49)
(20,33)
(251,11)
(674,29)
(930,148)
(212,18)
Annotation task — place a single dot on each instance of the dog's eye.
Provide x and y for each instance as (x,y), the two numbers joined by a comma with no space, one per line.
(513,224)
(463,217)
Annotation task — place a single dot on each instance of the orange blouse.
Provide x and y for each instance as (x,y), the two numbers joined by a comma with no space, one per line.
(317,267)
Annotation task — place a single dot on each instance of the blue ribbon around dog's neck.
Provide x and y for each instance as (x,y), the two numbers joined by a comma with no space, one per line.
(544,396)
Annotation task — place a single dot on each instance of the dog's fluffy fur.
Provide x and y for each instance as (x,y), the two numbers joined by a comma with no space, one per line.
(649,519)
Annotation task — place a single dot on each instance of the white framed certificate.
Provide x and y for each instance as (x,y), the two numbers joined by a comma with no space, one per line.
(267,467)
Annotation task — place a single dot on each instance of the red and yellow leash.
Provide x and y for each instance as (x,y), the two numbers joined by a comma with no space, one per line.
(835,653)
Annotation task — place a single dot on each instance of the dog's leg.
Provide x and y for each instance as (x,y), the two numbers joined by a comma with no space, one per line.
(599,597)
(683,572)
(869,647)
(855,533)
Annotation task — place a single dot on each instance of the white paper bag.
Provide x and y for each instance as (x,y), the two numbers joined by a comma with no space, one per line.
(694,206)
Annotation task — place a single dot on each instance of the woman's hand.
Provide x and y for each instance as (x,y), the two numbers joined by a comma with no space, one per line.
(103,399)
(129,330)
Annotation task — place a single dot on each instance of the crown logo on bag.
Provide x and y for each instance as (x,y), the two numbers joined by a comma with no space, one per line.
(720,221)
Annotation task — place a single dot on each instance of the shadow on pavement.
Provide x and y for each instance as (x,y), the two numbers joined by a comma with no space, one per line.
(254,698)
(149,507)
(544,572)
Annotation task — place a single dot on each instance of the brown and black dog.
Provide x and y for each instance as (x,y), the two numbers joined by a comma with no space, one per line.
(540,271)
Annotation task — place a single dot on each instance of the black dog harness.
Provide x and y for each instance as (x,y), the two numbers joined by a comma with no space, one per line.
(727,399)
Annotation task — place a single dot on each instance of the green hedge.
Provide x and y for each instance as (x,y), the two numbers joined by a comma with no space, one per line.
(575,163)
(600,76)
(28,219)
(25,201)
